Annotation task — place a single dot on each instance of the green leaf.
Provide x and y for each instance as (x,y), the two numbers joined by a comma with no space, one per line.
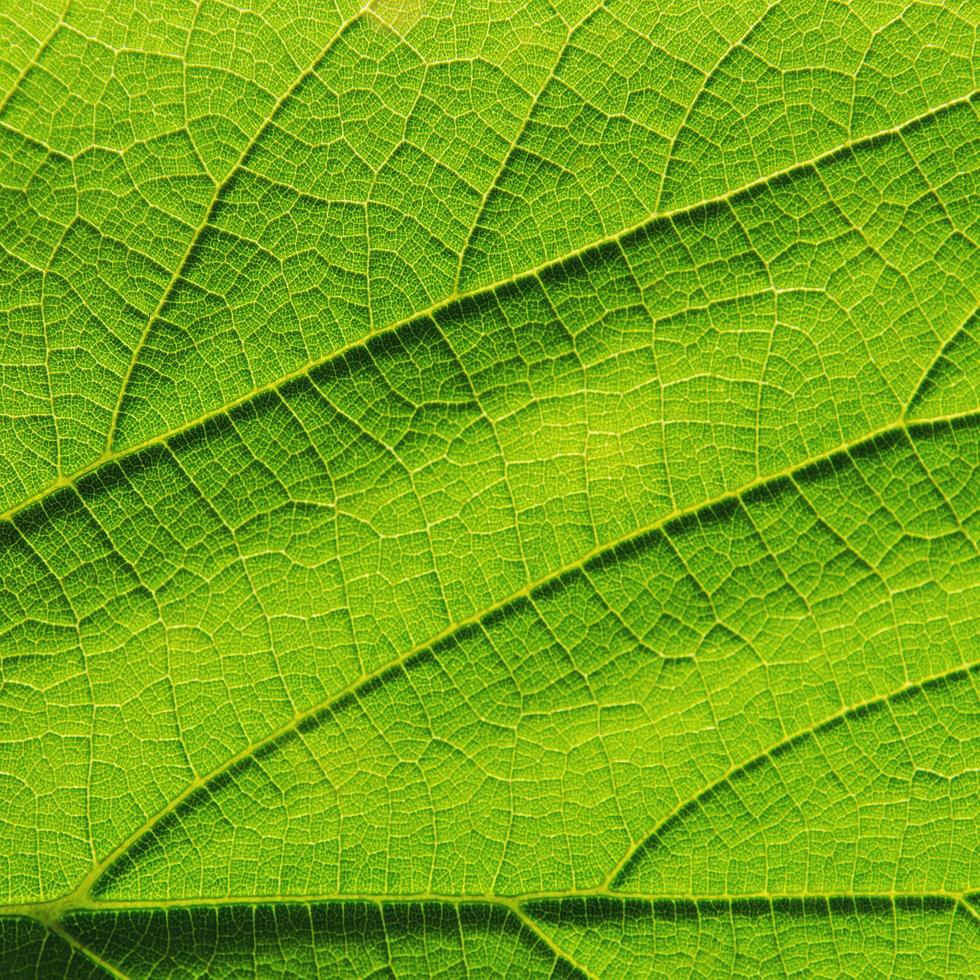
(489,488)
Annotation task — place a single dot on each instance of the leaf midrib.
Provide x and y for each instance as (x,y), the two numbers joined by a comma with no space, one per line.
(35,910)
(112,455)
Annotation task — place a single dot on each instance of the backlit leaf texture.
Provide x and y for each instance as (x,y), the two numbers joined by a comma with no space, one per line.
(489,487)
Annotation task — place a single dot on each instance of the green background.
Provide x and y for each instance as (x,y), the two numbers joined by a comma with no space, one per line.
(489,488)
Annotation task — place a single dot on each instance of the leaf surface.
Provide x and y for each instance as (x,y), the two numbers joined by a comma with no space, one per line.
(489,488)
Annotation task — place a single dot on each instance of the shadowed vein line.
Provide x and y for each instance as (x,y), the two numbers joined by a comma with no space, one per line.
(710,74)
(314,713)
(967,902)
(515,142)
(627,865)
(57,929)
(548,942)
(930,369)
(219,188)
(94,906)
(487,290)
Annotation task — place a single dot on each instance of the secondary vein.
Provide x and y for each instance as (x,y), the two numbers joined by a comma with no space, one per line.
(113,454)
(290,727)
